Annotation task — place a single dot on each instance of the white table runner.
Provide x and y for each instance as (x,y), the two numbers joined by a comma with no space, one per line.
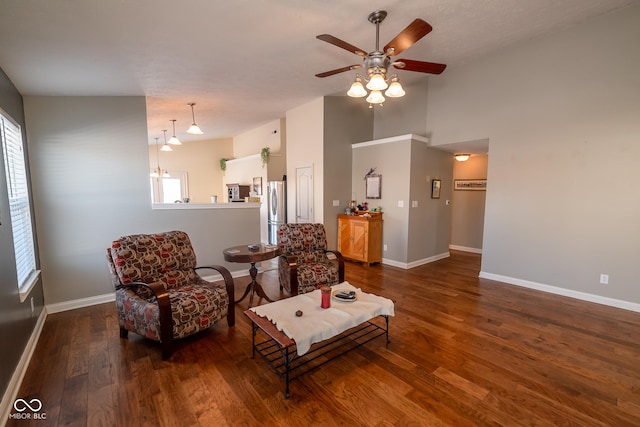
(317,324)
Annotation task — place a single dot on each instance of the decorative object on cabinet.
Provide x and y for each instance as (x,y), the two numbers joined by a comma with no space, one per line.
(435,188)
(223,164)
(374,186)
(360,236)
(470,184)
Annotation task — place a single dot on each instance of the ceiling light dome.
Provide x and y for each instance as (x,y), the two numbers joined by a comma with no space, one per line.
(377,82)
(375,97)
(357,90)
(395,88)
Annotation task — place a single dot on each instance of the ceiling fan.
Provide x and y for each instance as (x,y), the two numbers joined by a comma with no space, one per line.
(377,63)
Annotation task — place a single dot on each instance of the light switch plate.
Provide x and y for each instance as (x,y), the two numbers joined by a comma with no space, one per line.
(336,203)
(401,203)
(414,203)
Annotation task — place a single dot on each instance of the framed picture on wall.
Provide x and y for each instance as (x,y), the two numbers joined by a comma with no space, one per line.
(257,185)
(435,188)
(470,184)
(374,185)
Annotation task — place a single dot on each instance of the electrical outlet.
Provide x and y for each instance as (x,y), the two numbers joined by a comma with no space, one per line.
(384,247)
(604,279)
(414,203)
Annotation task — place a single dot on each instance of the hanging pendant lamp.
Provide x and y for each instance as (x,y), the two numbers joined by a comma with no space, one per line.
(194,129)
(156,173)
(165,147)
(174,139)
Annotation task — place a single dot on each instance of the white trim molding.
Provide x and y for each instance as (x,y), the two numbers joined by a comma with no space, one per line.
(465,249)
(413,264)
(406,137)
(626,305)
(13,387)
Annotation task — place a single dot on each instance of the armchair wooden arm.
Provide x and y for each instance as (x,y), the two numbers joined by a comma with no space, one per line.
(292,261)
(164,309)
(229,285)
(340,260)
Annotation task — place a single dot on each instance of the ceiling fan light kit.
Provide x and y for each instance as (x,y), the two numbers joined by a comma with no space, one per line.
(377,63)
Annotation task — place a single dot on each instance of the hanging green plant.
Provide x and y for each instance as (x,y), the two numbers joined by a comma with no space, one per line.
(223,164)
(264,155)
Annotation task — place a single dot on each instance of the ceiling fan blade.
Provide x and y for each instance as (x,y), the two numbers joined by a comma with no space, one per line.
(338,70)
(414,32)
(419,66)
(341,43)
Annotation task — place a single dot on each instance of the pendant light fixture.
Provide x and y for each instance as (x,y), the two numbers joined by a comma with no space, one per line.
(174,139)
(156,173)
(194,129)
(166,147)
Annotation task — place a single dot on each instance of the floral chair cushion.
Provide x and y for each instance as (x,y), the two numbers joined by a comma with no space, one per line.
(307,244)
(165,260)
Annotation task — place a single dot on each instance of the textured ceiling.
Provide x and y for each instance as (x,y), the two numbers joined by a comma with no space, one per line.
(244,62)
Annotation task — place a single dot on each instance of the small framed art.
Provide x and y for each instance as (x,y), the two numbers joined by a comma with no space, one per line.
(435,188)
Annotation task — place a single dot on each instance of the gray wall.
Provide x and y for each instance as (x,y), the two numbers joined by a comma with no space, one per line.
(412,234)
(392,161)
(89,166)
(16,319)
(346,121)
(562,115)
(430,221)
(404,115)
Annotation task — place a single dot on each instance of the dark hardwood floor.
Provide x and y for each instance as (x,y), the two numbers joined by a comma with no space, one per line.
(464,351)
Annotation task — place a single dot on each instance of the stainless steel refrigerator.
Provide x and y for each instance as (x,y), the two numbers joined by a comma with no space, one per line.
(277,198)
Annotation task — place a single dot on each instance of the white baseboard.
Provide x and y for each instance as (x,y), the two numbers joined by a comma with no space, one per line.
(414,264)
(626,305)
(465,249)
(80,303)
(13,387)
(110,297)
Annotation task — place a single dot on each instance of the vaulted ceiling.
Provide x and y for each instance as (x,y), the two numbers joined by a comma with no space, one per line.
(245,62)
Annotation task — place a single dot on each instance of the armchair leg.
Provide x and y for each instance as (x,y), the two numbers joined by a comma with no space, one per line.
(167,349)
(124,333)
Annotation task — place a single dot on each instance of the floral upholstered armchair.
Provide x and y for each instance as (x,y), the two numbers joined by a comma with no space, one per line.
(303,264)
(159,295)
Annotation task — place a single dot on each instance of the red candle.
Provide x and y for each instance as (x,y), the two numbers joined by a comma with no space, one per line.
(326,296)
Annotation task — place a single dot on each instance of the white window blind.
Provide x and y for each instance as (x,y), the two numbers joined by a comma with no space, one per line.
(18,190)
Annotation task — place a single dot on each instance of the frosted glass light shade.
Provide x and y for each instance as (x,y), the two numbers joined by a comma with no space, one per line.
(166,147)
(395,90)
(194,129)
(375,97)
(357,90)
(462,157)
(377,82)
(174,141)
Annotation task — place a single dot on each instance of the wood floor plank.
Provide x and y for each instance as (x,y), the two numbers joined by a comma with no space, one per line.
(464,351)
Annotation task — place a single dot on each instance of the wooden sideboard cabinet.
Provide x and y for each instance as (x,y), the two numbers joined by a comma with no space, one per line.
(360,237)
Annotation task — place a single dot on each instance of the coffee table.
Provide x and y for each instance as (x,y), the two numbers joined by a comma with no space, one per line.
(294,345)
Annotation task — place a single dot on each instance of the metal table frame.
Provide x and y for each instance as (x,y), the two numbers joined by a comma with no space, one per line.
(280,352)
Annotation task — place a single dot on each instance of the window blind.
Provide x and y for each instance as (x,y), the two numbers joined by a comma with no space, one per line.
(18,191)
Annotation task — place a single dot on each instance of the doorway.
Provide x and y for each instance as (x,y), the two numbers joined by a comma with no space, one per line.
(304,194)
